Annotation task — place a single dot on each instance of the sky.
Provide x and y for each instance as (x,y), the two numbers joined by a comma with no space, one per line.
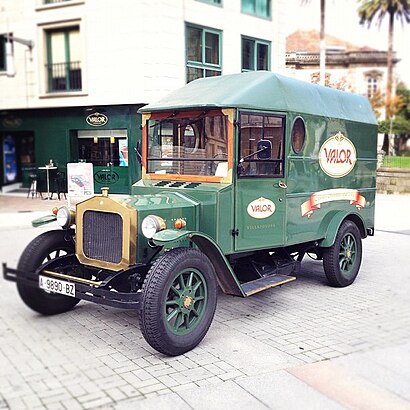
(342,21)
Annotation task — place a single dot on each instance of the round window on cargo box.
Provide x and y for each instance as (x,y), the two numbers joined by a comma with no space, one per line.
(298,135)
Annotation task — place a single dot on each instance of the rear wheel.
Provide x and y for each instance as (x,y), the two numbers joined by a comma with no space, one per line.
(342,260)
(179,301)
(40,250)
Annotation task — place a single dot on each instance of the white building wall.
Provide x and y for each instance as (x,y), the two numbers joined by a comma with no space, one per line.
(132,51)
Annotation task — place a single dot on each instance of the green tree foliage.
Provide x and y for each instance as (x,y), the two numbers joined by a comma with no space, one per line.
(370,10)
(400,125)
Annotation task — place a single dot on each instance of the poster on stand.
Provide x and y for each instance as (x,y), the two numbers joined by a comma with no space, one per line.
(80,181)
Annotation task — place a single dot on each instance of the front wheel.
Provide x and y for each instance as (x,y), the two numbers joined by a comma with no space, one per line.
(179,301)
(45,247)
(342,260)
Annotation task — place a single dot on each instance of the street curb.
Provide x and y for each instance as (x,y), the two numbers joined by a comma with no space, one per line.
(20,219)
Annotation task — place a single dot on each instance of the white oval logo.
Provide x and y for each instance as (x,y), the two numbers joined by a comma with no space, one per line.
(97,119)
(261,208)
(337,156)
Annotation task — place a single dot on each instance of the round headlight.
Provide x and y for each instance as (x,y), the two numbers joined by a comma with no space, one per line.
(64,217)
(151,225)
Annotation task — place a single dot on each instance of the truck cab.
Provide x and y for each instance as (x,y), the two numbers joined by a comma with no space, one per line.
(242,175)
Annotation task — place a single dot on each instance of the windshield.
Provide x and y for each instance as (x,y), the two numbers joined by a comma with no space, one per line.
(190,144)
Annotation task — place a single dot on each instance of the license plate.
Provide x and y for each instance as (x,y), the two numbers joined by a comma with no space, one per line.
(56,286)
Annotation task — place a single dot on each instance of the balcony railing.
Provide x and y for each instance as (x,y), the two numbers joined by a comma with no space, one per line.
(339,58)
(53,1)
(64,77)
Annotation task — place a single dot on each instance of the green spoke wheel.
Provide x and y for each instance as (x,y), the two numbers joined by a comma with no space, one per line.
(185,310)
(179,301)
(347,254)
(342,260)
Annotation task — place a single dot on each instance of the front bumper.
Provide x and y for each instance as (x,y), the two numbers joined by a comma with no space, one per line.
(101,294)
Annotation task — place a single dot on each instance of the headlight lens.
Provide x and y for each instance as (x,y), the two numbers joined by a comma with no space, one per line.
(64,217)
(151,225)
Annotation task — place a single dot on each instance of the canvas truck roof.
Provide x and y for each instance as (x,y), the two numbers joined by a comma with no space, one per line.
(263,90)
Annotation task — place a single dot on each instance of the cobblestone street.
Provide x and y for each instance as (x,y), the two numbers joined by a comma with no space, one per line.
(96,357)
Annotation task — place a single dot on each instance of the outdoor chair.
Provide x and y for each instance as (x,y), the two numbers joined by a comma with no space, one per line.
(33,190)
(59,185)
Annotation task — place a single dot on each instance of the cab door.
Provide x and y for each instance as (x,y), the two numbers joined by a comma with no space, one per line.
(260,191)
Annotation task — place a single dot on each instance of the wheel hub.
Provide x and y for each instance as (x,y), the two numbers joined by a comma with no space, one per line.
(188,301)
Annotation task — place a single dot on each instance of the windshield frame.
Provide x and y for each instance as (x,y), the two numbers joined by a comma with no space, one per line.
(188,113)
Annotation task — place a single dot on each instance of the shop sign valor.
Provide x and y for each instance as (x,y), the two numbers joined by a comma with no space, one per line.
(96,119)
(106,177)
(337,156)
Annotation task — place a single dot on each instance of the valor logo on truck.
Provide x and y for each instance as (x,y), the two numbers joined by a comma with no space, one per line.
(261,208)
(337,156)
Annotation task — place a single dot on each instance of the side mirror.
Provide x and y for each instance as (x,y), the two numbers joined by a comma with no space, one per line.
(264,149)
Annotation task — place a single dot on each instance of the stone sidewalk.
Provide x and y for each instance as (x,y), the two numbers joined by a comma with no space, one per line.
(304,345)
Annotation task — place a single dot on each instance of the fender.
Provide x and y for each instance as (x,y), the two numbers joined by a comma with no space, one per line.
(225,275)
(331,223)
(43,220)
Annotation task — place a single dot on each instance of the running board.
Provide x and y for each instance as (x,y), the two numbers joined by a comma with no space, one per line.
(267,282)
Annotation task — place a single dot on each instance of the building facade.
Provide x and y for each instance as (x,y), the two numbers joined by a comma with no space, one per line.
(362,70)
(73,73)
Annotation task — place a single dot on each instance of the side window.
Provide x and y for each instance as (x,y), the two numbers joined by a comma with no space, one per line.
(298,135)
(261,145)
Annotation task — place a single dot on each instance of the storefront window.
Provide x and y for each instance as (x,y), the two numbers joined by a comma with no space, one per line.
(9,160)
(103,147)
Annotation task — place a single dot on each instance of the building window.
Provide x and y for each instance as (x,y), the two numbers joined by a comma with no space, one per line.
(255,55)
(3,65)
(372,86)
(260,8)
(203,53)
(63,60)
(219,2)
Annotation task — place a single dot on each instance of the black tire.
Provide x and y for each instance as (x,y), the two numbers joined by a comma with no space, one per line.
(41,249)
(179,301)
(342,260)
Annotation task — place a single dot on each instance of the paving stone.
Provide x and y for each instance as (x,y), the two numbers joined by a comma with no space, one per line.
(116,394)
(217,396)
(285,392)
(164,402)
(152,388)
(80,353)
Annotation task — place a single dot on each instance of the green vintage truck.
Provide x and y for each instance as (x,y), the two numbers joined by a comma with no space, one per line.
(242,175)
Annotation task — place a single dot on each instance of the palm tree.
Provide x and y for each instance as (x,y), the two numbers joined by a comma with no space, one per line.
(322,41)
(378,9)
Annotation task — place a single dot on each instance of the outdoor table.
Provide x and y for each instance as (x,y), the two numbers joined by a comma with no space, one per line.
(48,168)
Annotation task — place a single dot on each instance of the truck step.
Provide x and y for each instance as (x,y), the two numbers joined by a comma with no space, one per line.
(266,282)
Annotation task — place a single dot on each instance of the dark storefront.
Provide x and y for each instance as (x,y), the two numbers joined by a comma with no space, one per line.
(103,136)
